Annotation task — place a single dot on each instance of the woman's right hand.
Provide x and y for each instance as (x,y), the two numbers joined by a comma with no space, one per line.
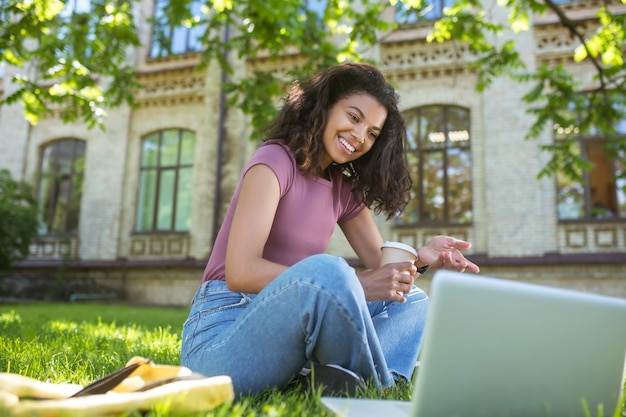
(388,282)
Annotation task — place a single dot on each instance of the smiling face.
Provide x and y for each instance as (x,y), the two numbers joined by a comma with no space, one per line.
(353,125)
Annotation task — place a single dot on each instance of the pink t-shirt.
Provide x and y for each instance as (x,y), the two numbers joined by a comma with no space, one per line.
(307,213)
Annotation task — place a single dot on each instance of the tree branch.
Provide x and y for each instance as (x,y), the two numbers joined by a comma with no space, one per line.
(573,30)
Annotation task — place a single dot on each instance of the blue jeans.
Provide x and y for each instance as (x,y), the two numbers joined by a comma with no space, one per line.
(314,312)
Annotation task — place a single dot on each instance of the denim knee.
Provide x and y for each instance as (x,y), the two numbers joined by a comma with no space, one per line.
(331,273)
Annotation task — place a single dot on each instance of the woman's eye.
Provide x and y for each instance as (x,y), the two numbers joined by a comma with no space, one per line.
(354,117)
(373,135)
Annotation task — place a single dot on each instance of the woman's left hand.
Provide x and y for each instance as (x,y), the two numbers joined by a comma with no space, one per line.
(444,252)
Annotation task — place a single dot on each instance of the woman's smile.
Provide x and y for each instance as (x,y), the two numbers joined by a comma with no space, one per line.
(351,149)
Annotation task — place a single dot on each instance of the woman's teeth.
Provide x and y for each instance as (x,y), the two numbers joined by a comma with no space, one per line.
(347,145)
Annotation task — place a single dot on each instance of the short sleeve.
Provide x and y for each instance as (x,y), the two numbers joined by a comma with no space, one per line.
(278,158)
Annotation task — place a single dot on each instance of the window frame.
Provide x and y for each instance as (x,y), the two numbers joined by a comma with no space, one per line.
(575,128)
(158,189)
(414,115)
(588,204)
(48,211)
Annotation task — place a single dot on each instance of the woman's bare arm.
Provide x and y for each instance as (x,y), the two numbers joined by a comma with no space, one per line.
(364,237)
(246,270)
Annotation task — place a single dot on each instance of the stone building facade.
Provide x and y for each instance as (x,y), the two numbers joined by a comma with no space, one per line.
(515,221)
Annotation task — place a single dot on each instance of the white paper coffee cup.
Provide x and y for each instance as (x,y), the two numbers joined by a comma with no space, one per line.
(397,252)
(393,252)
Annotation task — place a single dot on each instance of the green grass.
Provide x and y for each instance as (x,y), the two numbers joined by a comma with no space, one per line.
(82,342)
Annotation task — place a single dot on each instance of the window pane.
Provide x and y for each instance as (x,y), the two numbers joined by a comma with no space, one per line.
(166,204)
(165,207)
(433,193)
(601,182)
(183,199)
(70,223)
(63,153)
(146,199)
(412,133)
(60,186)
(169,39)
(570,195)
(570,198)
(60,206)
(179,40)
(195,38)
(620,183)
(621,197)
(75,6)
(433,10)
(432,127)
(196,32)
(42,198)
(410,215)
(457,126)
(187,148)
(75,194)
(150,151)
(402,14)
(459,186)
(169,148)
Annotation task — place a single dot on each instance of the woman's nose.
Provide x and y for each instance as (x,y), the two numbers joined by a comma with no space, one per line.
(359,133)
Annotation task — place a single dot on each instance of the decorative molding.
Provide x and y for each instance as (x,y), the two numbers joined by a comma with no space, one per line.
(417,237)
(53,247)
(280,67)
(419,54)
(576,238)
(605,237)
(596,237)
(555,44)
(186,58)
(170,88)
(420,60)
(160,246)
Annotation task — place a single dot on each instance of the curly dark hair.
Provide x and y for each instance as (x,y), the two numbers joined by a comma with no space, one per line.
(381,178)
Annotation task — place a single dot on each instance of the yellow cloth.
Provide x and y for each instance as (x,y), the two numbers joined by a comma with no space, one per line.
(28,397)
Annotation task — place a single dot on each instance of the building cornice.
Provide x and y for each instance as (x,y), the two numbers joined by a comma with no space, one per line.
(480,259)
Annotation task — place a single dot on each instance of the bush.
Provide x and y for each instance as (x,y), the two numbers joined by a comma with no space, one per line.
(18,219)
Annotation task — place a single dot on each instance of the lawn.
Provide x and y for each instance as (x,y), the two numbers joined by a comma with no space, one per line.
(82,342)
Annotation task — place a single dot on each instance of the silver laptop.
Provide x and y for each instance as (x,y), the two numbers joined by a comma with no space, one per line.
(496,347)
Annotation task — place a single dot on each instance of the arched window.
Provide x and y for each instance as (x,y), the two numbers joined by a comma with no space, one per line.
(60,187)
(165,182)
(439,156)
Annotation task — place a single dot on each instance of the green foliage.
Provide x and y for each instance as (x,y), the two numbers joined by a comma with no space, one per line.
(18,219)
(558,103)
(79,64)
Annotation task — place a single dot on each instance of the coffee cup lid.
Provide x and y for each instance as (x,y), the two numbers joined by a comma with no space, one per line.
(400,245)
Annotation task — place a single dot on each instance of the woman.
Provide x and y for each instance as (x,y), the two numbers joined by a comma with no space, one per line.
(271,302)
